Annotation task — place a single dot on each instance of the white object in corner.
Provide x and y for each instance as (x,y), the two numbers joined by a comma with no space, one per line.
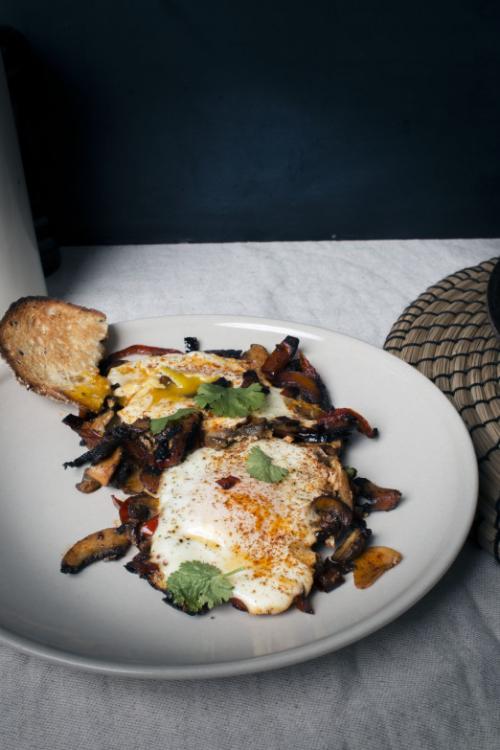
(20,266)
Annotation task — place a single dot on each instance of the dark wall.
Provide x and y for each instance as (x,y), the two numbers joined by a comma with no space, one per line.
(167,120)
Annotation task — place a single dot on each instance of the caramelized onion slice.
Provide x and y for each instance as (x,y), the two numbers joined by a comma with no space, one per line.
(108,544)
(373,563)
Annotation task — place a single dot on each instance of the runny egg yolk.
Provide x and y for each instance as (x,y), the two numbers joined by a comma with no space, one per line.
(180,387)
(91,391)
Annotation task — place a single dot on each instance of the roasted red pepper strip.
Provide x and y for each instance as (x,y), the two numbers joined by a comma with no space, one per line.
(122,506)
(129,351)
(345,417)
(149,527)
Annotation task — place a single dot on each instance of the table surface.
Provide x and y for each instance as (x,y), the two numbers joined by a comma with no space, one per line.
(431,679)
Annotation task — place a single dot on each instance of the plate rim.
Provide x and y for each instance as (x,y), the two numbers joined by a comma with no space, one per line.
(296,654)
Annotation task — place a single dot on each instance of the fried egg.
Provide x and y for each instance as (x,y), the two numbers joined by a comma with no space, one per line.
(158,386)
(267,529)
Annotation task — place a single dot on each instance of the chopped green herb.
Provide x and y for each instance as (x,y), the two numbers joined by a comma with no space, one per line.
(260,466)
(196,585)
(351,472)
(157,425)
(230,402)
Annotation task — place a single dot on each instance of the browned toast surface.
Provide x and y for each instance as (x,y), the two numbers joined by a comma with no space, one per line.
(54,348)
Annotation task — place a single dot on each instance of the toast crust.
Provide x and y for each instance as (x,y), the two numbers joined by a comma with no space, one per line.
(52,346)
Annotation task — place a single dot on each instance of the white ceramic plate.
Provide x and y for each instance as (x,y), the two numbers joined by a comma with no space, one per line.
(107,620)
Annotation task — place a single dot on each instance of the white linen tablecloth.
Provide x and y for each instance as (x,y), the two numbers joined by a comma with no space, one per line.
(429,680)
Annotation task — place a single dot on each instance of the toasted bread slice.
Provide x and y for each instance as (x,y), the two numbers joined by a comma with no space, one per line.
(54,348)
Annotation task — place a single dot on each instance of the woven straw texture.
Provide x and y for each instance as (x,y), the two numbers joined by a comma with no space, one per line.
(447,335)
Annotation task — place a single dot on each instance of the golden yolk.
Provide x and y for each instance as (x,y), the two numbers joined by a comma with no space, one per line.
(91,392)
(180,387)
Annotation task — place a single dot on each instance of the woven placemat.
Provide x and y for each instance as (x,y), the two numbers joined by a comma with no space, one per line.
(447,335)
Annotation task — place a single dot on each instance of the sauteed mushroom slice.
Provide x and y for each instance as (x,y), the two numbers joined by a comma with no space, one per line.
(352,545)
(328,575)
(108,544)
(371,497)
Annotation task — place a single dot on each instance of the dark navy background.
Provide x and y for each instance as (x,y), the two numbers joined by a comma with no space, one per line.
(168,120)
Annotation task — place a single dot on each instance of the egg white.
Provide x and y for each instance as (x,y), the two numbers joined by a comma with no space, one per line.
(266,528)
(137,380)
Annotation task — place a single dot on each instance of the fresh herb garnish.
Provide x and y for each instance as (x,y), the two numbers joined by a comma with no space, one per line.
(260,466)
(351,472)
(196,585)
(230,402)
(157,425)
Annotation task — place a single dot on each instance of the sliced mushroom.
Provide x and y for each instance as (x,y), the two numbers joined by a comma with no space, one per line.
(351,545)
(256,356)
(87,484)
(132,485)
(374,561)
(334,515)
(104,470)
(372,497)
(108,544)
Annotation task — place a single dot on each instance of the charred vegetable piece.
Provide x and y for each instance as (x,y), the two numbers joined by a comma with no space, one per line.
(334,514)
(372,497)
(108,544)
(307,368)
(352,545)
(254,427)
(142,566)
(150,351)
(328,575)
(112,439)
(87,484)
(191,344)
(280,357)
(339,418)
(256,356)
(307,388)
(303,603)
(374,561)
(104,470)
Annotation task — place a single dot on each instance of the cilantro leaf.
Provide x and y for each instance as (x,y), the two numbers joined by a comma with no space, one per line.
(157,425)
(230,402)
(260,466)
(197,584)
